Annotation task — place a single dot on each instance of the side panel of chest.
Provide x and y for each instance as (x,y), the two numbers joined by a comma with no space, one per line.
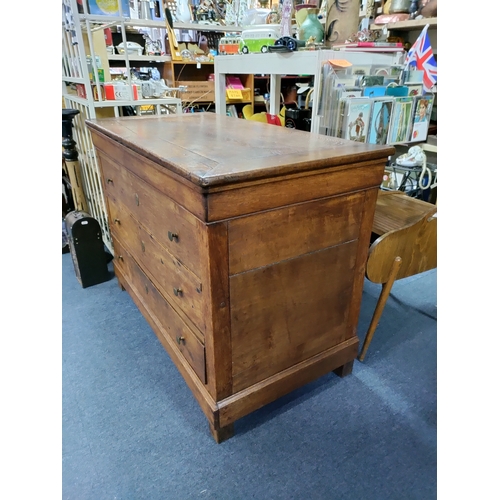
(291,274)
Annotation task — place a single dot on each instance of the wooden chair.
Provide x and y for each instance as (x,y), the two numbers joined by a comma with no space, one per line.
(405,229)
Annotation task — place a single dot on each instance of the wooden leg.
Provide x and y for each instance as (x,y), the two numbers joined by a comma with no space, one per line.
(344,370)
(222,433)
(122,288)
(384,295)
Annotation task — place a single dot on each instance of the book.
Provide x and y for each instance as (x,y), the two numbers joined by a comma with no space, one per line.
(380,122)
(233,82)
(400,127)
(340,97)
(421,117)
(231,110)
(357,117)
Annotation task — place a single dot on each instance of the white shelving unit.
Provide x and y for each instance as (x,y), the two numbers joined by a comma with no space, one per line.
(82,35)
(292,63)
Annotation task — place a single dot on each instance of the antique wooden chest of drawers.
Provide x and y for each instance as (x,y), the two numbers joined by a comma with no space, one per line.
(244,245)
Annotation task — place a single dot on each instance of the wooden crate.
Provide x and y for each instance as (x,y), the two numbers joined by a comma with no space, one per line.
(199,91)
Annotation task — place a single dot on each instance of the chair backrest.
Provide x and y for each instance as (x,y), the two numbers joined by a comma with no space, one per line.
(415,243)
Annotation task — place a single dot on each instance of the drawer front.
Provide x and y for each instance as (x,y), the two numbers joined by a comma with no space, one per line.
(176,229)
(182,288)
(286,313)
(273,236)
(171,324)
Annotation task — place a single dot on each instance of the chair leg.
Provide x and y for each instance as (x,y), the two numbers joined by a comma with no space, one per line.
(384,295)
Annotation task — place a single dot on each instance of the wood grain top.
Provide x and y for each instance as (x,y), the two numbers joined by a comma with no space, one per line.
(396,210)
(213,150)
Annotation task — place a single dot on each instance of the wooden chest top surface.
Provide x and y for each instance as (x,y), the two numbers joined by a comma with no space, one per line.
(215,150)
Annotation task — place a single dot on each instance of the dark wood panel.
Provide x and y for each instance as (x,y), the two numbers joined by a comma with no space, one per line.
(358,279)
(244,402)
(288,312)
(176,229)
(172,185)
(187,343)
(249,198)
(164,269)
(273,236)
(217,312)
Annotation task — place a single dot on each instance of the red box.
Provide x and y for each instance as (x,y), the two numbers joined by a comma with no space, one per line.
(121,91)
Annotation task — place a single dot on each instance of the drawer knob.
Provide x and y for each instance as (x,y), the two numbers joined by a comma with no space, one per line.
(116,221)
(109,181)
(120,257)
(177,292)
(180,340)
(173,236)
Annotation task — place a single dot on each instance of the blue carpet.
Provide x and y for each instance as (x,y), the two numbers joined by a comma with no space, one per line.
(132,429)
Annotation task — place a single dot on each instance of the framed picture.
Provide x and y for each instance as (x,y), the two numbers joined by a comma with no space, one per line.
(380,121)
(357,118)
(400,127)
(421,117)
(360,70)
(414,89)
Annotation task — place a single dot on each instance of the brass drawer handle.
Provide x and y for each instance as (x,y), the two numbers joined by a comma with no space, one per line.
(177,292)
(173,236)
(116,221)
(120,257)
(109,181)
(180,340)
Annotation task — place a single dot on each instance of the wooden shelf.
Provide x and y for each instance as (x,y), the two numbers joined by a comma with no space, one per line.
(208,27)
(412,25)
(110,21)
(193,63)
(238,101)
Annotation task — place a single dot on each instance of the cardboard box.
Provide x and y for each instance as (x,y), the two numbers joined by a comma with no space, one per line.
(238,95)
(108,8)
(199,91)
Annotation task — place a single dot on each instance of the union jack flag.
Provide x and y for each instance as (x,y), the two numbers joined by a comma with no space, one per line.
(421,56)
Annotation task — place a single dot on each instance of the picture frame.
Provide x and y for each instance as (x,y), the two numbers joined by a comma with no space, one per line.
(415,89)
(357,118)
(402,119)
(380,122)
(421,117)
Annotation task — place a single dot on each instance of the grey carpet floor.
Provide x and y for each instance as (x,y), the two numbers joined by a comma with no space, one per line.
(132,430)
